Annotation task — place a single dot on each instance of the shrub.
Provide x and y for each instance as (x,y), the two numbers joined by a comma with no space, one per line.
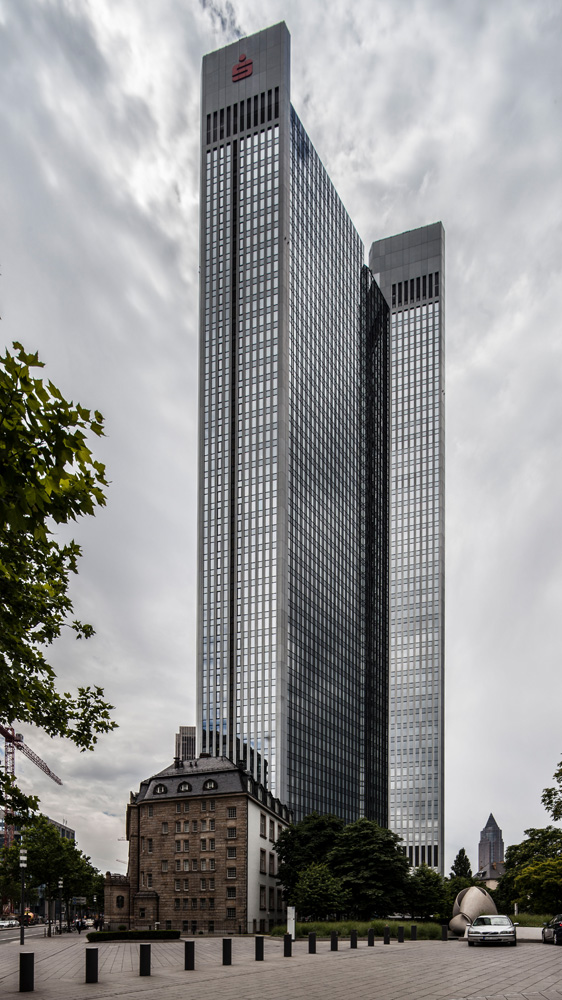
(101,936)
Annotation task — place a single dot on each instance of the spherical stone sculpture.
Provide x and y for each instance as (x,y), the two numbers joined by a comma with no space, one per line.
(469,904)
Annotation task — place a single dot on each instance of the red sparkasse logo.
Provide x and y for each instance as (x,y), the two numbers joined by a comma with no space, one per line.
(243,68)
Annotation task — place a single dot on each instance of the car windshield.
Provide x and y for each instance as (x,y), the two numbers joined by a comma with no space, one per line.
(491,921)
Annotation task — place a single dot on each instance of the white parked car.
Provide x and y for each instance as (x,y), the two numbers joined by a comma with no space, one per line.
(494,928)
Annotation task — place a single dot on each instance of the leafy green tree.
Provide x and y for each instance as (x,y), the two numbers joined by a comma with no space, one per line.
(48,477)
(303,844)
(542,844)
(540,886)
(318,894)
(424,892)
(50,857)
(461,865)
(552,797)
(367,859)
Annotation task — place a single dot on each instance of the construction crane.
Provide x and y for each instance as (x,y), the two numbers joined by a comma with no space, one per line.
(13,740)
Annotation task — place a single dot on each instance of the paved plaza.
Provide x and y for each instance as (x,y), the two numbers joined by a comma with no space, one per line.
(422,970)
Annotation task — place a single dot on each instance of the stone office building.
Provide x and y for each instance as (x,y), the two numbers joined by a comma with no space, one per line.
(201,853)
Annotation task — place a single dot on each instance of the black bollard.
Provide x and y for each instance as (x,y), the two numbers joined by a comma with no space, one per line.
(371,937)
(387,935)
(414,932)
(27,959)
(144,964)
(91,965)
(353,939)
(400,935)
(259,949)
(333,941)
(227,951)
(189,956)
(444,932)
(312,943)
(287,946)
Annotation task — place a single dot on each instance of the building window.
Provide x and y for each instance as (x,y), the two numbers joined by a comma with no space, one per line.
(262,825)
(212,805)
(231,812)
(211,864)
(231,833)
(272,864)
(186,846)
(177,903)
(203,826)
(271,830)
(231,852)
(186,864)
(204,844)
(149,880)
(203,883)
(231,892)
(203,864)
(142,913)
(178,846)
(202,904)
(194,826)
(262,862)
(262,897)
(186,903)
(178,807)
(231,913)
(164,827)
(211,883)
(178,865)
(203,806)
(164,866)
(178,826)
(149,845)
(160,789)
(211,904)
(210,785)
(184,786)
(186,826)
(120,902)
(194,865)
(151,810)
(211,824)
(271,898)
(185,884)
(177,884)
(231,872)
(142,878)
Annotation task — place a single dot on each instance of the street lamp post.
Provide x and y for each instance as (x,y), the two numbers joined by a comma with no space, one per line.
(60,906)
(23,866)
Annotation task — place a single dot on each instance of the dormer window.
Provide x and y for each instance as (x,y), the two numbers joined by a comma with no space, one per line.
(184,786)
(209,785)
(160,789)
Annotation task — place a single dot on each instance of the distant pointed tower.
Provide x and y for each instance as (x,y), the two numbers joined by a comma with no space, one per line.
(490,848)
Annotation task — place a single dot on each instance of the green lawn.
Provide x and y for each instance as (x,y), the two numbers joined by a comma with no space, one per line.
(344,928)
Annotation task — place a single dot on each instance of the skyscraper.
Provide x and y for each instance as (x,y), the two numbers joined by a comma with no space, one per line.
(293,495)
(490,848)
(410,271)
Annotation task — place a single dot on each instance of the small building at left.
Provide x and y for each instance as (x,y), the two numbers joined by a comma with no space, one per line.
(201,853)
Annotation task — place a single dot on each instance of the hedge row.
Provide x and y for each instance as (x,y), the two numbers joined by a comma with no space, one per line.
(132,935)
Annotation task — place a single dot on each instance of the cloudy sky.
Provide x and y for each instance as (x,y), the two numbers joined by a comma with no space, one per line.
(422,110)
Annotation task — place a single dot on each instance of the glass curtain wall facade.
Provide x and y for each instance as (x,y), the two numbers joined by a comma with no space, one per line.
(288,679)
(410,271)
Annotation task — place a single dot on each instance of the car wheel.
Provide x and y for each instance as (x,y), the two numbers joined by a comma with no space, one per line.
(554,939)
(543,938)
(471,944)
(513,943)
